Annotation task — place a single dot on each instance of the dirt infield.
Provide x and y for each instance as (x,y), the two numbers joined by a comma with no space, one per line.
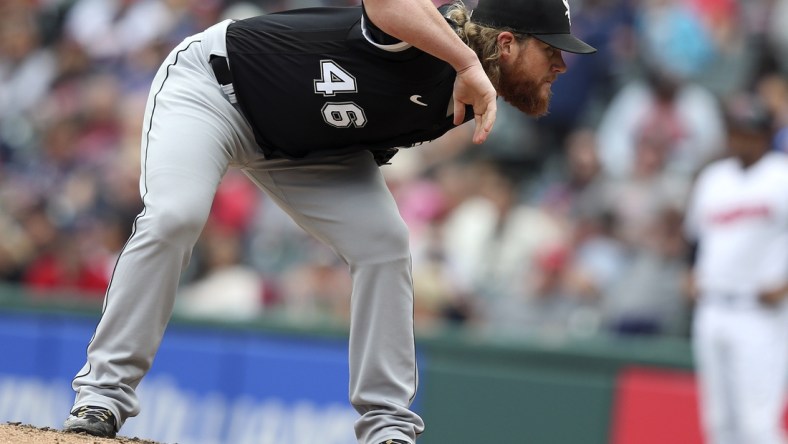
(16,433)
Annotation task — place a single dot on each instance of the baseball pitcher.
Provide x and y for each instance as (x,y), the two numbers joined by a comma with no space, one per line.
(308,103)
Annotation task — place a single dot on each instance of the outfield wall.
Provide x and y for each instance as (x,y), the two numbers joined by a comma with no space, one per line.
(590,392)
(276,382)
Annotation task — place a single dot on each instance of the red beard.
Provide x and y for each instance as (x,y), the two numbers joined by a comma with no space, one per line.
(523,92)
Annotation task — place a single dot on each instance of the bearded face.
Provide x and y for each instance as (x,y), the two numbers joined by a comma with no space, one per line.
(526,79)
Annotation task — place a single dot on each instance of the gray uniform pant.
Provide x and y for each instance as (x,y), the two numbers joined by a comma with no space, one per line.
(191,135)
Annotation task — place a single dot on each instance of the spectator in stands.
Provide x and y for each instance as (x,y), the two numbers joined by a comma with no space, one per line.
(684,113)
(673,36)
(778,34)
(491,238)
(772,93)
(647,298)
(641,198)
(599,261)
(73,260)
(581,187)
(225,287)
(16,247)
(736,53)
(27,68)
(548,305)
(109,30)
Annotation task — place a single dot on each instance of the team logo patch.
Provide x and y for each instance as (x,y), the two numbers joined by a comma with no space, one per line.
(567,14)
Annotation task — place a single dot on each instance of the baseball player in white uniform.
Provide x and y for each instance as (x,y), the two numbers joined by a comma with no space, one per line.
(738,214)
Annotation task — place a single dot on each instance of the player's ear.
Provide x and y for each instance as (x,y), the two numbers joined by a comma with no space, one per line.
(507,44)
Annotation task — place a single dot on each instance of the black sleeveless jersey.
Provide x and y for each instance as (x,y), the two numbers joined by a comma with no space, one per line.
(308,81)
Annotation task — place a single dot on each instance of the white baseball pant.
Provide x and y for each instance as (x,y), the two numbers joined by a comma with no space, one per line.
(741,353)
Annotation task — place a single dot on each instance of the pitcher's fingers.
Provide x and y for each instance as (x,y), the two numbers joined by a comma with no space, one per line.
(479,135)
(459,112)
(484,124)
(489,116)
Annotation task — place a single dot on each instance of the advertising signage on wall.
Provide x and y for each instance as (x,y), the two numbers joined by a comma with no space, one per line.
(207,386)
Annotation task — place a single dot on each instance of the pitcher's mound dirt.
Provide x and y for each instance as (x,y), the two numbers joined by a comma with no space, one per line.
(17,433)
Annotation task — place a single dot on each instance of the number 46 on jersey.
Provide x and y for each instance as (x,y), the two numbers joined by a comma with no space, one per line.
(335,79)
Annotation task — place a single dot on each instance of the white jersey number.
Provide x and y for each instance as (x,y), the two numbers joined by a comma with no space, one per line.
(335,79)
(343,115)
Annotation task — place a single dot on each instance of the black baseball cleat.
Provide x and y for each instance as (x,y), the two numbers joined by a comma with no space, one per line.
(96,421)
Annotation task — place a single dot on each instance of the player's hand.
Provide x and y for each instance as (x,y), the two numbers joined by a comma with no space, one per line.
(690,287)
(772,298)
(473,87)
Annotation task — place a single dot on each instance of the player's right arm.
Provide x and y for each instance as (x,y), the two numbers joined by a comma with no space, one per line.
(419,23)
(691,235)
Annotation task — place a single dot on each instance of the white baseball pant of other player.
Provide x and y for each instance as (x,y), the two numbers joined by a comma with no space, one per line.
(191,135)
(740,217)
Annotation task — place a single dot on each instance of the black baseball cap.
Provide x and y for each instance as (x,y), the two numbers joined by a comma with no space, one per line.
(547,20)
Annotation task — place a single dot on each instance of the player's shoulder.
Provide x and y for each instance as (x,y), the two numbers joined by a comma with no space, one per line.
(777,158)
(723,166)
(777,164)
(715,173)
(323,18)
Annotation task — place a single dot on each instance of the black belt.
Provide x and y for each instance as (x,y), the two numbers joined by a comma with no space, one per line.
(221,69)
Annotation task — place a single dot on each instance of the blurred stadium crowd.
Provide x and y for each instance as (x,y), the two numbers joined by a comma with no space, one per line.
(565,225)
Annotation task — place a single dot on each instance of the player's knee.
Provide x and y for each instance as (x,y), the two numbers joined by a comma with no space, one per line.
(379,243)
(176,225)
(396,239)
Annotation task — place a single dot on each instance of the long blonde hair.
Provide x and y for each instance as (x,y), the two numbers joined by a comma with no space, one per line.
(483,40)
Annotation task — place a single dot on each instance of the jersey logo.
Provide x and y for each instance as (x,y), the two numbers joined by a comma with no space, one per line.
(415,99)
